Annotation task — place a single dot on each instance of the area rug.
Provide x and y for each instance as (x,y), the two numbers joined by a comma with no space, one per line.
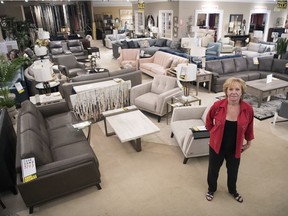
(267,108)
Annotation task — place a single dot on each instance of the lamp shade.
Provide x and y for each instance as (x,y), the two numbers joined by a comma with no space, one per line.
(197,51)
(186,72)
(42,72)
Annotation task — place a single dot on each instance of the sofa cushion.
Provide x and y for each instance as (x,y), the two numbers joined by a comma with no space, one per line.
(160,42)
(131,44)
(152,42)
(174,63)
(253,46)
(253,75)
(228,65)
(168,43)
(270,48)
(250,64)
(90,76)
(214,66)
(32,145)
(160,85)
(265,63)
(175,44)
(144,44)
(125,45)
(60,120)
(28,107)
(240,64)
(147,101)
(262,48)
(279,65)
(119,72)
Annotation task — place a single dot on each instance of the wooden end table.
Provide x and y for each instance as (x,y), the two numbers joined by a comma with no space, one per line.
(202,76)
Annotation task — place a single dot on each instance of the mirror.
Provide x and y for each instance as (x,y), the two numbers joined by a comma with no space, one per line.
(150,22)
(258,21)
(235,24)
(211,19)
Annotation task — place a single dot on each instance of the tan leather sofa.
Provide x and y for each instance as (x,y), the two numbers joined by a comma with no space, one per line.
(159,63)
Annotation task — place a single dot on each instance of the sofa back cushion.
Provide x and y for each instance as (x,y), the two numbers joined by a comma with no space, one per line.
(160,42)
(163,59)
(32,145)
(162,83)
(279,65)
(28,107)
(214,66)
(240,64)
(265,63)
(250,64)
(75,46)
(253,46)
(56,47)
(228,65)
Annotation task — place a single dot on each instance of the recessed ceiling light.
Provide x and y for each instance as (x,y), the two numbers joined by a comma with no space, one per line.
(2,2)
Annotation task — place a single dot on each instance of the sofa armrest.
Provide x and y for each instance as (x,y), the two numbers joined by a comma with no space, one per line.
(164,98)
(138,90)
(215,74)
(187,112)
(146,60)
(53,108)
(81,64)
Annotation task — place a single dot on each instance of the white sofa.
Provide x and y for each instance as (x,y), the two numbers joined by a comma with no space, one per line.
(109,38)
(159,63)
(258,49)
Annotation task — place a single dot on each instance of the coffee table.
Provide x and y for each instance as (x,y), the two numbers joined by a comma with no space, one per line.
(129,124)
(261,89)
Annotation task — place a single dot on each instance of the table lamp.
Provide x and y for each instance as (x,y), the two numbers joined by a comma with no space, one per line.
(43,74)
(197,54)
(40,48)
(186,73)
(188,43)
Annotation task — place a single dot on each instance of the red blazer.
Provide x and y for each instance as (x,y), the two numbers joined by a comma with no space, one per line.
(215,122)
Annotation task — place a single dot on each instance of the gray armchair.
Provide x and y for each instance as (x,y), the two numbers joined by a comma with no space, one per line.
(77,49)
(153,96)
(183,119)
(281,112)
(69,66)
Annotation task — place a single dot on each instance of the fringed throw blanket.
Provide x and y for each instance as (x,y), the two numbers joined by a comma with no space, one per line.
(91,103)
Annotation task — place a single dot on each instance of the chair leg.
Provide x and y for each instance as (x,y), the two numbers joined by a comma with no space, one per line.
(31,210)
(159,118)
(172,135)
(185,160)
(275,117)
(2,204)
(98,186)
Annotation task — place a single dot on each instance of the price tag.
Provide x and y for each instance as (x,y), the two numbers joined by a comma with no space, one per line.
(19,87)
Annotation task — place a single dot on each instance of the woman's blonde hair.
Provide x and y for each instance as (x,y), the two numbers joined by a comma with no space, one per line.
(231,81)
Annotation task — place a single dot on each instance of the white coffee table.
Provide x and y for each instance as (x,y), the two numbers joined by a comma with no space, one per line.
(129,124)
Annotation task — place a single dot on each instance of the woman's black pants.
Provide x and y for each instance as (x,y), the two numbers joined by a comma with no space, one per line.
(215,163)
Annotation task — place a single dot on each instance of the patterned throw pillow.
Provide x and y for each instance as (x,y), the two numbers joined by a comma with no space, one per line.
(144,44)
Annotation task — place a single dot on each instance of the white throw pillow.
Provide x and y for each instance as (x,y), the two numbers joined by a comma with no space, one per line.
(253,47)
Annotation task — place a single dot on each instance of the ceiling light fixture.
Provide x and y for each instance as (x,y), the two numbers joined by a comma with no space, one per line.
(2,2)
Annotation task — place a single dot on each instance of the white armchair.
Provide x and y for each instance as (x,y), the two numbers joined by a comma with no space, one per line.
(152,96)
(227,45)
(183,119)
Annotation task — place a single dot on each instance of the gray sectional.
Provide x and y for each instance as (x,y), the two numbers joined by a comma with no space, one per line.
(245,68)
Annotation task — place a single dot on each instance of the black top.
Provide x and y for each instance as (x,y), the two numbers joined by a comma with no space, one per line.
(229,137)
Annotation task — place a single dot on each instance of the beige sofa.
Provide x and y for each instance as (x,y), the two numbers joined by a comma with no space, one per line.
(159,63)
(258,49)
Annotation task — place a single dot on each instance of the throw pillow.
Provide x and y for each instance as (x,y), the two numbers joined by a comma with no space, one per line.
(125,44)
(144,44)
(262,48)
(131,44)
(175,45)
(253,47)
(160,42)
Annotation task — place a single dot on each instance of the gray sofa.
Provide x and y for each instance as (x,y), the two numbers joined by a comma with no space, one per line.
(65,161)
(245,68)
(151,47)
(126,74)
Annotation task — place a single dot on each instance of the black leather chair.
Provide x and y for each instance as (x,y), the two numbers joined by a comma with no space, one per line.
(77,49)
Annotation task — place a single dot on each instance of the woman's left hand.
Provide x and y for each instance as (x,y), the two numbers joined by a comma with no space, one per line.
(245,147)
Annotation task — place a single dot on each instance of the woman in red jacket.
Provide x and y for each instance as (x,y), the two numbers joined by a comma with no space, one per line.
(229,121)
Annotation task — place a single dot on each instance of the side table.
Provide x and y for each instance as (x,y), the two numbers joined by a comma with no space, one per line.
(53,87)
(46,99)
(202,76)
(178,101)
